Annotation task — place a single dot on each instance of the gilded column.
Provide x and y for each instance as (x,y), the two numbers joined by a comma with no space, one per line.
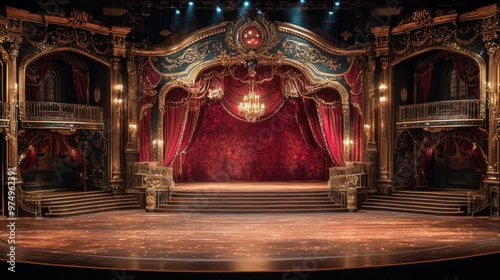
(116,115)
(382,51)
(492,91)
(12,97)
(116,118)
(385,126)
(490,35)
(131,147)
(371,152)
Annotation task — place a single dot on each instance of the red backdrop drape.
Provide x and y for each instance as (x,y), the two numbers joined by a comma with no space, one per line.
(423,79)
(81,84)
(228,149)
(36,73)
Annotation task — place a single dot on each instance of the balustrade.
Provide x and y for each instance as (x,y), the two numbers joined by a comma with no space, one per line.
(469,109)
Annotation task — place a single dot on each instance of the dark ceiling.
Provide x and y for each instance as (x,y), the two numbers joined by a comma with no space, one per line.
(156,21)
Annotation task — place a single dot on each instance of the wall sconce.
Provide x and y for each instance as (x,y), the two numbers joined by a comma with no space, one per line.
(492,98)
(119,88)
(157,143)
(132,129)
(366,129)
(347,148)
(119,100)
(348,142)
(119,103)
(382,88)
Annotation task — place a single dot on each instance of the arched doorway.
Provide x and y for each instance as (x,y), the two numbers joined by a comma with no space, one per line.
(451,160)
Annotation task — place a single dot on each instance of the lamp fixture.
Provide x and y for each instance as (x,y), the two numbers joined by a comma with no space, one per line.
(251,108)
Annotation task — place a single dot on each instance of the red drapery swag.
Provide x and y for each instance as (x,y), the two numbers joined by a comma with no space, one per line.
(58,146)
(36,73)
(181,125)
(81,84)
(310,127)
(447,144)
(354,78)
(423,78)
(149,80)
(267,86)
(331,119)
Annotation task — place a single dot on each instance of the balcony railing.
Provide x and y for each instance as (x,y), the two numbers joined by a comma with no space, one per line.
(442,111)
(42,112)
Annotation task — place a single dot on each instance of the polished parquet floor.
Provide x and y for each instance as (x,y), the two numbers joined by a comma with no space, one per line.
(134,244)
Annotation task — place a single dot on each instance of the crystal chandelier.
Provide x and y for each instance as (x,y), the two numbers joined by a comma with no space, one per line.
(251,107)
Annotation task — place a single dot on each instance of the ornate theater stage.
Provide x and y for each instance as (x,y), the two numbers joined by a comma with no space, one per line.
(134,244)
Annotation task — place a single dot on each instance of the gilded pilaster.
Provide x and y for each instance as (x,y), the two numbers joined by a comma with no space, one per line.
(132,105)
(492,90)
(12,97)
(371,152)
(385,128)
(131,147)
(115,127)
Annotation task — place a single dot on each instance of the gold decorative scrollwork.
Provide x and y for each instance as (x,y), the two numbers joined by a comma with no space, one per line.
(465,35)
(304,52)
(268,30)
(191,55)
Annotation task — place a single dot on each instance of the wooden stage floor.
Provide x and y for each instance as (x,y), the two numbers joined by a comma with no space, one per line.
(134,244)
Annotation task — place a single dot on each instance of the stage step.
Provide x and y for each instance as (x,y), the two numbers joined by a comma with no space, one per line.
(296,201)
(446,203)
(71,203)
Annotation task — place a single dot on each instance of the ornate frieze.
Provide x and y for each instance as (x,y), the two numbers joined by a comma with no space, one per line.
(457,31)
(68,29)
(196,53)
(260,40)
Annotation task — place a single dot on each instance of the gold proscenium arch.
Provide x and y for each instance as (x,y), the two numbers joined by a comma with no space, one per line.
(186,79)
(187,84)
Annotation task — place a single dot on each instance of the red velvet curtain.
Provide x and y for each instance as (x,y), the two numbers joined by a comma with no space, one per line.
(310,127)
(149,80)
(182,121)
(36,73)
(332,124)
(28,160)
(81,84)
(189,134)
(266,86)
(228,149)
(468,72)
(425,155)
(423,78)
(354,78)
